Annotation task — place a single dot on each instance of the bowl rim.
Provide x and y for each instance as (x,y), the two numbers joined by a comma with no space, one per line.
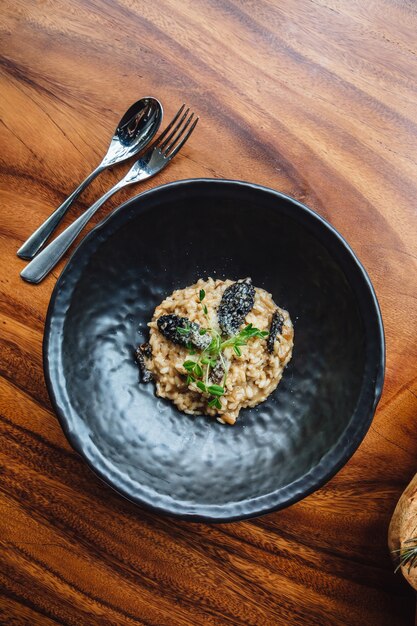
(282,497)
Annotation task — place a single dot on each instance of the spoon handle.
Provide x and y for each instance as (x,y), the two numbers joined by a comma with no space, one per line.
(42,264)
(35,242)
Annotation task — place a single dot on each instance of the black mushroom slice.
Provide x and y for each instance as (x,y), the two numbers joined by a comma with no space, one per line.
(275,330)
(181,331)
(236,303)
(142,352)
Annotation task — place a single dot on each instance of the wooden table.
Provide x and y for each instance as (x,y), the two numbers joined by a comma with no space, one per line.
(314,98)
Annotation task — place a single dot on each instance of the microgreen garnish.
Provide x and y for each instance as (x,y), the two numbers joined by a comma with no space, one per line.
(190,365)
(215,390)
(243,335)
(185,330)
(207,361)
(193,368)
(199,371)
(215,403)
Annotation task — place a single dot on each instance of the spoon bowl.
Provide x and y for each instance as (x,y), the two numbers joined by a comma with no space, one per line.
(134,131)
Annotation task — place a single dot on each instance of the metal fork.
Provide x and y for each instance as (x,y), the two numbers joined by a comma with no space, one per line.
(160,153)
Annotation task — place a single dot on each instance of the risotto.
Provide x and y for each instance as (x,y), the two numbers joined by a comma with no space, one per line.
(216,347)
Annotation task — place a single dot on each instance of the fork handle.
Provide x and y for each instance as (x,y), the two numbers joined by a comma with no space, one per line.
(42,264)
(35,242)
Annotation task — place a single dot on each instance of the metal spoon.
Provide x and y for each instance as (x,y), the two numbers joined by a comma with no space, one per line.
(134,131)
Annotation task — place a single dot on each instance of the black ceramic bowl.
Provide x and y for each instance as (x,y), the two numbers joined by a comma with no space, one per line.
(195,467)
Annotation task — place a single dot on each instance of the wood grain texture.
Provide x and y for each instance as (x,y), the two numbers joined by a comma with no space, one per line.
(316,98)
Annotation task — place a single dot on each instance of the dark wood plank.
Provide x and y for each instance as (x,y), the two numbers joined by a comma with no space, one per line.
(315,98)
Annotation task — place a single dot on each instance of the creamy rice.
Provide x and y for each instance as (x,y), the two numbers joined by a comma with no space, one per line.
(251,378)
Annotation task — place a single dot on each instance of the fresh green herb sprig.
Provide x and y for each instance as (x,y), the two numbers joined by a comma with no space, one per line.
(202,295)
(407,554)
(242,338)
(198,372)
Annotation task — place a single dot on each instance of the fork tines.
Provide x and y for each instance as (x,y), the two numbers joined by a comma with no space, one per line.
(172,139)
